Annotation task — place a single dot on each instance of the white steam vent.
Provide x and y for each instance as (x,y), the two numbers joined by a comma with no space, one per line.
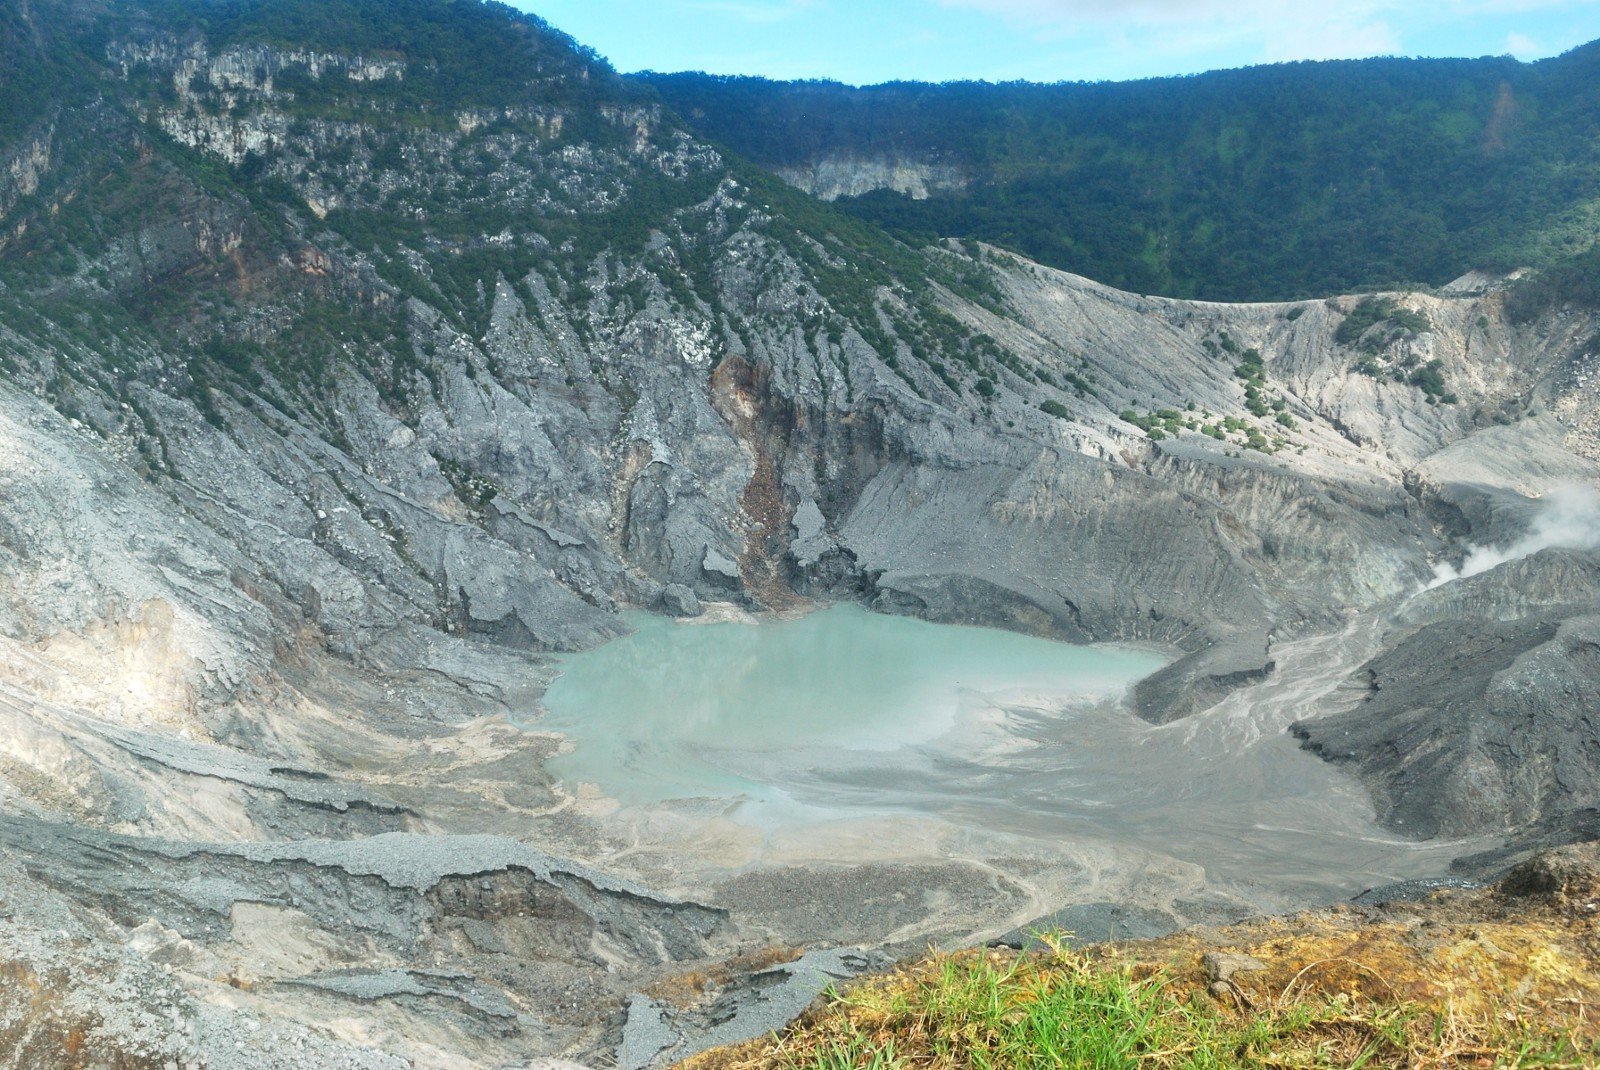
(1568,519)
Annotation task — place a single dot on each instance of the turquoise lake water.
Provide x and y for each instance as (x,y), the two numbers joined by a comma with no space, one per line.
(732,710)
(805,726)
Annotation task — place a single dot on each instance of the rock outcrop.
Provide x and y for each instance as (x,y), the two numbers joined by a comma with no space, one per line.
(832,177)
(1481,719)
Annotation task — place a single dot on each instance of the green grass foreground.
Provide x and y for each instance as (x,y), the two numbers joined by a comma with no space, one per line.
(995,1011)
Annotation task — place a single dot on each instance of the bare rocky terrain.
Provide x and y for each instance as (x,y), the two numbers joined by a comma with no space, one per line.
(293,513)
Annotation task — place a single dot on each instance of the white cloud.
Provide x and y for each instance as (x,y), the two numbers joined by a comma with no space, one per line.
(1330,39)
(1137,11)
(1522,46)
(1276,30)
(760,12)
(1511,7)
(1151,11)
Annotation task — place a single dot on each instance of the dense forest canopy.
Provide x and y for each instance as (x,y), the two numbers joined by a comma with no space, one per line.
(1271,182)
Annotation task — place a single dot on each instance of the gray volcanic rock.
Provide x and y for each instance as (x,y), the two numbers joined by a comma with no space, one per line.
(416,984)
(1478,723)
(1559,829)
(475,937)
(646,1035)
(1417,891)
(1090,923)
(679,601)
(760,1003)
(1202,679)
(832,177)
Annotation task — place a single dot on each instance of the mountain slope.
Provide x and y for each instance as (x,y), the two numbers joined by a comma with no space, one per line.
(1260,184)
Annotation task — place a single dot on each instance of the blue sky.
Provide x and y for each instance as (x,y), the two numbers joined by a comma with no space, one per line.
(864,41)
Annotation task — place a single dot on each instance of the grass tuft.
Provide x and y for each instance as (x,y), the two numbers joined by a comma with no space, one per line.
(988,1010)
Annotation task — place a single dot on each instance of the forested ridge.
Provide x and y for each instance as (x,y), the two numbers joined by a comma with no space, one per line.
(1273,182)
(1277,182)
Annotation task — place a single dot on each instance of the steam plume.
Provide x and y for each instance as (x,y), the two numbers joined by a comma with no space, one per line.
(1568,518)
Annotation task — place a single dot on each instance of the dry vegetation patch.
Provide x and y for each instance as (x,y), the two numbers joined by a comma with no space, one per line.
(1507,977)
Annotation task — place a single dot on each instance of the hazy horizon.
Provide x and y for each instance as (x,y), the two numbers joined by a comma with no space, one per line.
(1050,40)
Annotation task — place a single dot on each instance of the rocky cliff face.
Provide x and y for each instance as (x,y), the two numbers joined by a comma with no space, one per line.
(334,399)
(832,177)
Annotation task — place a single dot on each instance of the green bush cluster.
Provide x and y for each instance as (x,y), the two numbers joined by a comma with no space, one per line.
(1370,312)
(473,489)
(1164,423)
(1362,326)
